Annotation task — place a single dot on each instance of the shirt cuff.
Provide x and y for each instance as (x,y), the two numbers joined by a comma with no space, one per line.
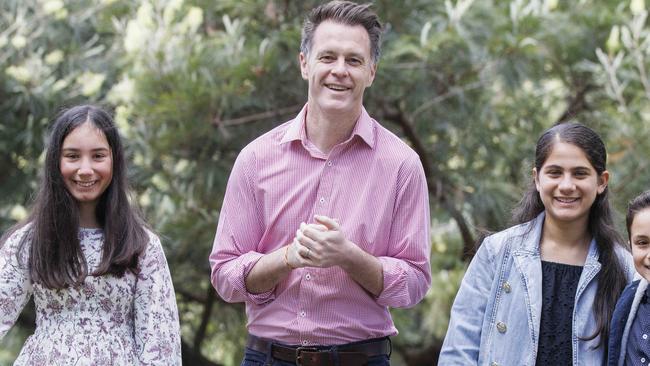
(232,280)
(401,288)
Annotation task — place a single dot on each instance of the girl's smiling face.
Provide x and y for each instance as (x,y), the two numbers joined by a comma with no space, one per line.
(568,184)
(86,164)
(640,242)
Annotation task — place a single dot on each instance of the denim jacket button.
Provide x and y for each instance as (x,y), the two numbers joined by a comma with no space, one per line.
(506,287)
(501,327)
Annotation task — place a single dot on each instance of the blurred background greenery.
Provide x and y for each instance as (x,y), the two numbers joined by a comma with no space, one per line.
(468,84)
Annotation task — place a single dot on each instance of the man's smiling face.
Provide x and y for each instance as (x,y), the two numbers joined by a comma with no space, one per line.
(338,68)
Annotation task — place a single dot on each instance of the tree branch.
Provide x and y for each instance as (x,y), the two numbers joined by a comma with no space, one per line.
(218,122)
(577,103)
(191,357)
(205,319)
(437,185)
(189,296)
(453,91)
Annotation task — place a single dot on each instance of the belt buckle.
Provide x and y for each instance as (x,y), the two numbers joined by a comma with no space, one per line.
(299,352)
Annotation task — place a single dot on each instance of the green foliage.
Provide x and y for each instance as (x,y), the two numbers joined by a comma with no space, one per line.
(470,84)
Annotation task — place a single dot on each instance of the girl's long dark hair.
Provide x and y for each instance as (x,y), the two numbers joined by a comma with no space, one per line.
(55,257)
(611,278)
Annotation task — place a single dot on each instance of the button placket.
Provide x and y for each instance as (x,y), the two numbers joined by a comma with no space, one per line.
(323,194)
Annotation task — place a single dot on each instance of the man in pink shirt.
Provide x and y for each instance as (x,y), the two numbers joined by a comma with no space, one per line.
(325,221)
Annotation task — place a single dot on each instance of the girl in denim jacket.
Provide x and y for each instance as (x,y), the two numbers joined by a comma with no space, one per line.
(543,292)
(629,343)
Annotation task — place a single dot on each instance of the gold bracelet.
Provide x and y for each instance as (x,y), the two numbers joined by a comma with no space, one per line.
(286,259)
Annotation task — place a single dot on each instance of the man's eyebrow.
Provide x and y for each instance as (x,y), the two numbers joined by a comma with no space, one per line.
(346,54)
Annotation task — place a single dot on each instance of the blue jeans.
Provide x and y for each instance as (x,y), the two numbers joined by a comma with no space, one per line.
(256,358)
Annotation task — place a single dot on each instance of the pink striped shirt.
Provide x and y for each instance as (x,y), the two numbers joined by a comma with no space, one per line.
(373,183)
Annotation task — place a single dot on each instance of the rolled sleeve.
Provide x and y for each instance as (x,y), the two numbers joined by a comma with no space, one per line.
(406,268)
(404,284)
(230,283)
(240,228)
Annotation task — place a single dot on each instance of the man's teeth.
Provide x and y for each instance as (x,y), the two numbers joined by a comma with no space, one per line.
(336,87)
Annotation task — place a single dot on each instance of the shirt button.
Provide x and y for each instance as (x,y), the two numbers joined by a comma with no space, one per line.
(329,163)
(308,276)
(303,314)
(506,287)
(645,336)
(494,364)
(501,327)
(305,342)
(322,200)
(642,359)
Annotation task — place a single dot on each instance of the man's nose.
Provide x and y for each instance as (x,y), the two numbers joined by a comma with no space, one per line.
(340,67)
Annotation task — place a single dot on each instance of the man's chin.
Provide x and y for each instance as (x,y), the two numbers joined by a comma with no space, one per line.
(337,107)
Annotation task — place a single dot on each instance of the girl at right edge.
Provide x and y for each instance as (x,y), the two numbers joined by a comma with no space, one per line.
(543,292)
(628,343)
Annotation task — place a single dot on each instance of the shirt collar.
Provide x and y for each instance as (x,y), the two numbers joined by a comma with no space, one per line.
(364,128)
(296,130)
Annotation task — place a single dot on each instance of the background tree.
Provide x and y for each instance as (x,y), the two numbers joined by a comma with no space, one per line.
(468,84)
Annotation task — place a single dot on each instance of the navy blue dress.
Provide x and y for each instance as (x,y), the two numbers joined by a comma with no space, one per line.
(559,285)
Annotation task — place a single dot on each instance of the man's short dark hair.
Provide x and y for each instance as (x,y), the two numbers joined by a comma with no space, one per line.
(344,12)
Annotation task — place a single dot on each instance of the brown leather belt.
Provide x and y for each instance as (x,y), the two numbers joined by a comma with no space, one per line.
(356,354)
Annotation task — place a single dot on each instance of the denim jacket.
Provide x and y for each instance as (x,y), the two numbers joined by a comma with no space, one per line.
(495,317)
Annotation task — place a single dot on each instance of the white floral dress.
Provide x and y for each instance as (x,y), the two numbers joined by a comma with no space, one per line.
(107,320)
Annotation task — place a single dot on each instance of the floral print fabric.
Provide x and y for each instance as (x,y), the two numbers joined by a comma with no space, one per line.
(132,320)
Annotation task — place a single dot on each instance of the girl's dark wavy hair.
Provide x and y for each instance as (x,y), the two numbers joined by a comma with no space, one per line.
(55,257)
(611,278)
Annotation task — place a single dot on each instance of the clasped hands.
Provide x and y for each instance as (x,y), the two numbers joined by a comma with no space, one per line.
(320,244)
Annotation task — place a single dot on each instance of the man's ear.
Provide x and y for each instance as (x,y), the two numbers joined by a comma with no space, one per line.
(302,59)
(373,72)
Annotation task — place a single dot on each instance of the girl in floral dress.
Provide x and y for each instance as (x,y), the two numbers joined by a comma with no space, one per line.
(99,278)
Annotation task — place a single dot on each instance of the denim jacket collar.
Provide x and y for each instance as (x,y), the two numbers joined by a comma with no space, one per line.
(530,245)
